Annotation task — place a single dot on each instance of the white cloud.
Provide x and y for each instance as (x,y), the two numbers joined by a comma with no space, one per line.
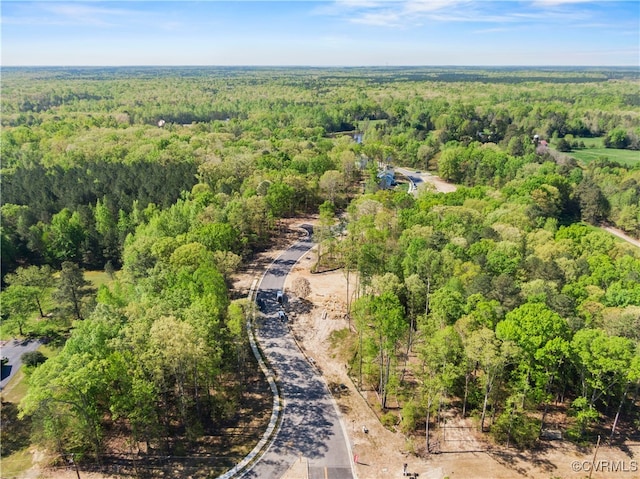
(424,6)
(70,14)
(553,3)
(361,3)
(381,19)
(410,13)
(84,14)
(88,14)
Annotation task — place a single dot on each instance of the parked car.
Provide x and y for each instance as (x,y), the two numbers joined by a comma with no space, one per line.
(281,316)
(280,297)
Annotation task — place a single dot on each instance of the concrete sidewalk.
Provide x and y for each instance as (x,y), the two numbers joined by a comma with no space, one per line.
(298,470)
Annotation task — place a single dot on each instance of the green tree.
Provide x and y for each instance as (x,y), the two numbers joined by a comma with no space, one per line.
(603,362)
(280,198)
(18,304)
(331,184)
(438,370)
(67,398)
(594,206)
(632,377)
(515,426)
(72,288)
(216,237)
(33,358)
(541,334)
(39,278)
(446,305)
(239,312)
(492,356)
(323,233)
(389,326)
(616,138)
(65,236)
(563,145)
(449,164)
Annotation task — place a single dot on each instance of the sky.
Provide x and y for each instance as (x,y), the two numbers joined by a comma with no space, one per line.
(321,33)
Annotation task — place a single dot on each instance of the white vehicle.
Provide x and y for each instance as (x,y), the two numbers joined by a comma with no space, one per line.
(280,297)
(281,316)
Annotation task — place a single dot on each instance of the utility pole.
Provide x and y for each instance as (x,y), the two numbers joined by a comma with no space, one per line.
(595,453)
(75,466)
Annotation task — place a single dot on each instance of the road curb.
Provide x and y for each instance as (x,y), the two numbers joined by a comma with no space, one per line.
(245,466)
(263,445)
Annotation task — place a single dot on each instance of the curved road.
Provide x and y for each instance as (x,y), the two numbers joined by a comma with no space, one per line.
(310,427)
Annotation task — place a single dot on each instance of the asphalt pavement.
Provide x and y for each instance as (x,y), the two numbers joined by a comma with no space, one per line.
(310,429)
(13,351)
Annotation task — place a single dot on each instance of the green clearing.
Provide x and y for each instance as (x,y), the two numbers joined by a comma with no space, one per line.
(97,278)
(595,149)
(16,464)
(15,389)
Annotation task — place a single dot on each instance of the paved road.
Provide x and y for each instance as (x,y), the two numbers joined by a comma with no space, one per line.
(13,350)
(311,427)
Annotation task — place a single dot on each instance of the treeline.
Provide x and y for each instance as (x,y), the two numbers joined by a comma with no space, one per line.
(69,140)
(481,303)
(84,213)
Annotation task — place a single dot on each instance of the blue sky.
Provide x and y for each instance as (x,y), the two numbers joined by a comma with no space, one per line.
(325,33)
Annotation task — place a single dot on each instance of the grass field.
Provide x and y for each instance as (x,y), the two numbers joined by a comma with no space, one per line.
(16,464)
(97,278)
(595,149)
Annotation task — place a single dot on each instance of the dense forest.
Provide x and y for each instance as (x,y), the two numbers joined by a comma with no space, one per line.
(500,299)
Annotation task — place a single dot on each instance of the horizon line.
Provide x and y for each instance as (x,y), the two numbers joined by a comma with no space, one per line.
(321,66)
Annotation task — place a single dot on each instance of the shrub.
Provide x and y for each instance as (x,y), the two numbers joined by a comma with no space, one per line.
(585,416)
(563,145)
(410,446)
(33,358)
(516,428)
(409,416)
(389,420)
